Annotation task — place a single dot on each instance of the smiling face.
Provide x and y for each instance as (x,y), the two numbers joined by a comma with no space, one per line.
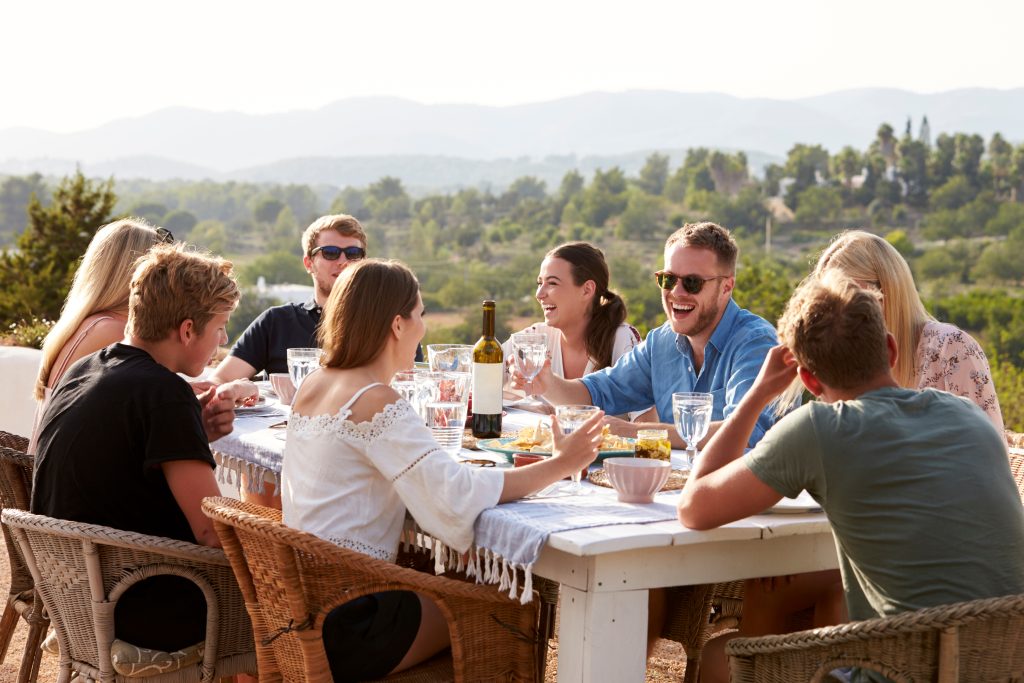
(564,303)
(695,315)
(324,271)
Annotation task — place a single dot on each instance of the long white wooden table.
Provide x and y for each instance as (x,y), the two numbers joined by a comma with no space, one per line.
(606,572)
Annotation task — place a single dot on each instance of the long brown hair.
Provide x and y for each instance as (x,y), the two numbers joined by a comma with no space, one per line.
(357,318)
(607,309)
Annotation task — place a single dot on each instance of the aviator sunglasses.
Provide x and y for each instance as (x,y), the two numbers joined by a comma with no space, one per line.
(691,283)
(334,253)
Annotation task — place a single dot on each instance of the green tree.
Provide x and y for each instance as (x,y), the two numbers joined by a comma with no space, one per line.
(179,221)
(806,164)
(913,169)
(210,235)
(654,174)
(277,267)
(846,165)
(642,218)
(35,279)
(956,192)
(605,197)
(818,204)
(267,209)
(900,240)
(153,212)
(388,201)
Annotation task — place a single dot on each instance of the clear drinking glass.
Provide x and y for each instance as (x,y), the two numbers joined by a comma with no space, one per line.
(445,408)
(570,418)
(301,362)
(450,357)
(530,352)
(692,414)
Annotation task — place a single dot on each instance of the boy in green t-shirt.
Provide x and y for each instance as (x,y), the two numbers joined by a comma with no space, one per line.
(916,484)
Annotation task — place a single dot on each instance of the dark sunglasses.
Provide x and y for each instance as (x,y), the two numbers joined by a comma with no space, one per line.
(165,235)
(691,283)
(334,253)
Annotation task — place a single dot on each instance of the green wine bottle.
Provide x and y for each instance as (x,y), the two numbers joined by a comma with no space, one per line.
(488,377)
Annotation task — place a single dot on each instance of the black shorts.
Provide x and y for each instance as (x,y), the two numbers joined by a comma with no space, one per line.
(161,613)
(366,638)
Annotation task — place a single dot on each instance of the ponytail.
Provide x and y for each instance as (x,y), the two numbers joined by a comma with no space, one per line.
(607,313)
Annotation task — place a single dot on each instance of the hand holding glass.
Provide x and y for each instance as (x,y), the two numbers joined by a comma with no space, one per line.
(570,418)
(692,414)
(530,352)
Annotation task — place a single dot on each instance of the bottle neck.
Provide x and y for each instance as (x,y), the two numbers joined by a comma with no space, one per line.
(488,322)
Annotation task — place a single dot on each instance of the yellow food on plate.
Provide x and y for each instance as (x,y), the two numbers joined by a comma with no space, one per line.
(537,439)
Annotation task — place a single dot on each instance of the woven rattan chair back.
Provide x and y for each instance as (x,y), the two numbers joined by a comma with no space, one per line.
(1017,470)
(81,570)
(980,640)
(16,468)
(298,578)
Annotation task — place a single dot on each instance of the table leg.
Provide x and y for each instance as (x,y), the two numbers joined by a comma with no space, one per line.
(602,636)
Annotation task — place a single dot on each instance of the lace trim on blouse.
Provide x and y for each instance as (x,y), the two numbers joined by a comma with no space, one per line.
(340,427)
(364,548)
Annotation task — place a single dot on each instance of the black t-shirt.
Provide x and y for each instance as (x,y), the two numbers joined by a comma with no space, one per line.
(114,417)
(265,343)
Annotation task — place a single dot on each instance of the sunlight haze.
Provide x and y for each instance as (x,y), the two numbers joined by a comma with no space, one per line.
(260,57)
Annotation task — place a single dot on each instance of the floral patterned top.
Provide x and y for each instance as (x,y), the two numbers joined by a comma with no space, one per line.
(951,360)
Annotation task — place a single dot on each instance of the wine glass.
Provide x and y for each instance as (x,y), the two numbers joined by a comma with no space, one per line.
(570,418)
(302,362)
(530,352)
(692,414)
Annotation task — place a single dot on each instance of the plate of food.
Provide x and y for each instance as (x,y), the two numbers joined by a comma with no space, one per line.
(537,439)
(251,404)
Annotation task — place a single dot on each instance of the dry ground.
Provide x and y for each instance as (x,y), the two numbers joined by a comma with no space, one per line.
(665,665)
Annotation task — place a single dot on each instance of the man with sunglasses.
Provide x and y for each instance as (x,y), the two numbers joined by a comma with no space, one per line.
(709,344)
(329,244)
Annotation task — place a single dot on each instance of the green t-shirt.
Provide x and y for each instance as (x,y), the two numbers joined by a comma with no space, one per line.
(917,488)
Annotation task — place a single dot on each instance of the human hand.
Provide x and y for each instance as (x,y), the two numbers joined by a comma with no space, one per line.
(200,385)
(578,448)
(620,427)
(537,386)
(218,413)
(777,372)
(241,392)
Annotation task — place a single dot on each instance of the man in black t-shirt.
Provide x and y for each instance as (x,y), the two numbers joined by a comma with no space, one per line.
(329,244)
(122,441)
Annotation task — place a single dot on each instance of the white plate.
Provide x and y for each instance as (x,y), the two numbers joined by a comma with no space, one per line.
(802,503)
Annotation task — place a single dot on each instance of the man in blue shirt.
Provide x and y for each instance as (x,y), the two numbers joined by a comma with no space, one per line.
(709,344)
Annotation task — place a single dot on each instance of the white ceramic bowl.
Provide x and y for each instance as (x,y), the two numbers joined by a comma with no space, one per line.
(636,480)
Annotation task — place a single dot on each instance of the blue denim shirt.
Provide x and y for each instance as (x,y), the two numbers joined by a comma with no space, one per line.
(663,364)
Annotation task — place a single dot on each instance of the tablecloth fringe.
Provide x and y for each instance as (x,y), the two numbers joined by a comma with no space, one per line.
(481,564)
(230,472)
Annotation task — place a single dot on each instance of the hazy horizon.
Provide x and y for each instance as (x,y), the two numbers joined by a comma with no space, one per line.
(73,66)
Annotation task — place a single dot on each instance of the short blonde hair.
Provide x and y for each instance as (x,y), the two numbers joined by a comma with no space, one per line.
(357,318)
(343,224)
(707,235)
(173,284)
(836,330)
(871,260)
(101,284)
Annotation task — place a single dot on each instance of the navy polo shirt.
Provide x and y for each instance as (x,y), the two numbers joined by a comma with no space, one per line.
(265,343)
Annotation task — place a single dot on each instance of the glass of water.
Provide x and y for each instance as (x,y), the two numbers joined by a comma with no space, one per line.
(692,414)
(445,407)
(569,419)
(530,351)
(450,357)
(302,362)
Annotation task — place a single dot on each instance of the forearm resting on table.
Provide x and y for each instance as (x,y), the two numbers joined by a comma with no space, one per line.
(561,391)
(522,481)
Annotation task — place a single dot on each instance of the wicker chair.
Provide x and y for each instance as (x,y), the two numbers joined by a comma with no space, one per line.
(980,640)
(292,579)
(15,492)
(1017,469)
(81,570)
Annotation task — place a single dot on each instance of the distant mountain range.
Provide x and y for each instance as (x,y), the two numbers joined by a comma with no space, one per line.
(355,141)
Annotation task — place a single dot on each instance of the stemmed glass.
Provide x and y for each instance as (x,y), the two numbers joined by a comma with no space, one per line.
(692,414)
(530,351)
(570,418)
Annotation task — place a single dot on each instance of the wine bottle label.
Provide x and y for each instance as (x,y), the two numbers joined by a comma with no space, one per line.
(487,380)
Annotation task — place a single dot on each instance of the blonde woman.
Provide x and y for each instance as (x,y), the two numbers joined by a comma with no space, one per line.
(929,353)
(96,309)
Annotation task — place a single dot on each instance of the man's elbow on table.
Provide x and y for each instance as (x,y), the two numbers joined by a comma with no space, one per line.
(693,512)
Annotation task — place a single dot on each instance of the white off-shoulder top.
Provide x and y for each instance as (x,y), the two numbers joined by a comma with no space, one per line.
(351,483)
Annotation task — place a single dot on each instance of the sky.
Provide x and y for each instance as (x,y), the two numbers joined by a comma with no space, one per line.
(71,65)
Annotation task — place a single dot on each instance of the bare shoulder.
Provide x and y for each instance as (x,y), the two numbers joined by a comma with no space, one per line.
(374,400)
